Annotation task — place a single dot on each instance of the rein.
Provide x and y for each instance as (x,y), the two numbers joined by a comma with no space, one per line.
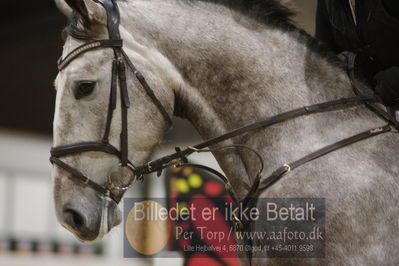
(179,158)
(169,160)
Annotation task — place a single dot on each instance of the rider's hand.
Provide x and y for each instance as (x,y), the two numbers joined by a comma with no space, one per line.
(359,66)
(387,86)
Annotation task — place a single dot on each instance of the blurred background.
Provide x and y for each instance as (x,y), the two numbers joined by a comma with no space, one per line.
(29,233)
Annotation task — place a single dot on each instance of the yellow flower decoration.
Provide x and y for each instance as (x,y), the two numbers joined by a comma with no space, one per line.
(195,180)
(182,186)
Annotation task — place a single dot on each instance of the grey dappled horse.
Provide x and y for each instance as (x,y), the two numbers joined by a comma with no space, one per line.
(221,65)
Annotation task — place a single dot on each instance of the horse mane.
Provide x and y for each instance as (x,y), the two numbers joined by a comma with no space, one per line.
(277,13)
(270,12)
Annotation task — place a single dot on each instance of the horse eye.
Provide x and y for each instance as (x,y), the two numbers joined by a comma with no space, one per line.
(84,88)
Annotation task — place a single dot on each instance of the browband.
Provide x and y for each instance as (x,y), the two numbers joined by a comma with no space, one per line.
(64,62)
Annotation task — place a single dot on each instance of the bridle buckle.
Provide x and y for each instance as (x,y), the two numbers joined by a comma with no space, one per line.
(238,225)
(288,167)
(112,186)
(149,167)
(87,180)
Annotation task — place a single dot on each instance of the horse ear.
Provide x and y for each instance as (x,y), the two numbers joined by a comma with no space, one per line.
(64,8)
(89,11)
(79,7)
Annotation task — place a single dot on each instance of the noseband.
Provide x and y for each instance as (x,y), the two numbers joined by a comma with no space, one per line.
(118,76)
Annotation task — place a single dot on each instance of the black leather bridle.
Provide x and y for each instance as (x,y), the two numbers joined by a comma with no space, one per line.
(118,76)
(179,158)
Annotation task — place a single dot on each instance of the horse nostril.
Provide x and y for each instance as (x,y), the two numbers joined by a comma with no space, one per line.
(84,226)
(74,219)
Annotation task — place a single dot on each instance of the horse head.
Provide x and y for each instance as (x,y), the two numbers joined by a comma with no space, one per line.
(104,123)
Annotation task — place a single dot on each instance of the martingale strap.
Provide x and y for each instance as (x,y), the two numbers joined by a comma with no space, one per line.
(228,186)
(250,199)
(286,168)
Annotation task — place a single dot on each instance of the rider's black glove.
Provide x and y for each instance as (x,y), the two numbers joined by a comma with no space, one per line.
(359,66)
(387,86)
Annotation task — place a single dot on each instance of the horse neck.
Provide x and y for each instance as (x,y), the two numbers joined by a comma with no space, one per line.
(235,71)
